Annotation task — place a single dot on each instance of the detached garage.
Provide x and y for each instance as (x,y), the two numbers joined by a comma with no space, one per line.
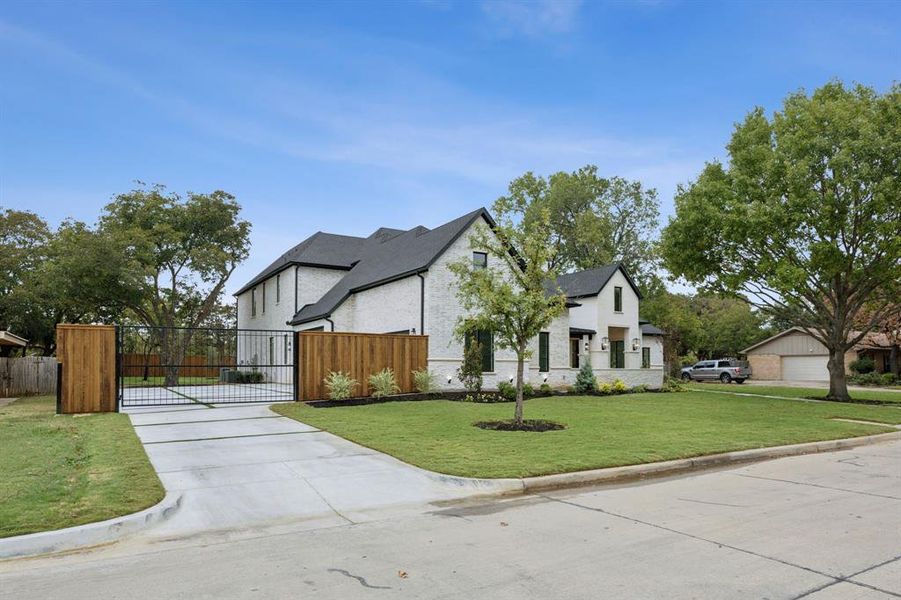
(792,355)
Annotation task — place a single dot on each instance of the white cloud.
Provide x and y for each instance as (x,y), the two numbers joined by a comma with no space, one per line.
(533,19)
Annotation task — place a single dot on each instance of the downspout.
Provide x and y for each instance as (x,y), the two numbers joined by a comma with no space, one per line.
(330,322)
(421,304)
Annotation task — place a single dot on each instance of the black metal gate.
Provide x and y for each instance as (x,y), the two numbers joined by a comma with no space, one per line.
(204,366)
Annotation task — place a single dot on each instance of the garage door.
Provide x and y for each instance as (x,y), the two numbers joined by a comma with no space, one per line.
(804,368)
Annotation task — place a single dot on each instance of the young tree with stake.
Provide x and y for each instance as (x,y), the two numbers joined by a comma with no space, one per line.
(512,302)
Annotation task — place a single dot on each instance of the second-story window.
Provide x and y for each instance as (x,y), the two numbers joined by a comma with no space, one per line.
(618,299)
(479,260)
(264,297)
(278,288)
(253,302)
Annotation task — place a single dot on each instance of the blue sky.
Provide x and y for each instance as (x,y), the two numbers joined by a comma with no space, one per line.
(347,116)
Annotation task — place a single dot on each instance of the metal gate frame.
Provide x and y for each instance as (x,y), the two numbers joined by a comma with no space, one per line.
(231,371)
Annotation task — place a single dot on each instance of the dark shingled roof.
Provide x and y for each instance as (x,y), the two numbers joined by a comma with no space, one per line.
(319,250)
(390,254)
(648,329)
(591,281)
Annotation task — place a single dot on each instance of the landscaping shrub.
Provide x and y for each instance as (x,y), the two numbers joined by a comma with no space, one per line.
(862,366)
(249,377)
(873,379)
(383,383)
(639,389)
(340,385)
(470,372)
(604,388)
(424,381)
(619,386)
(507,390)
(546,389)
(671,384)
(585,380)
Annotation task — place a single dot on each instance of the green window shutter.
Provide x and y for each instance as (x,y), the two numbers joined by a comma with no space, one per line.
(544,352)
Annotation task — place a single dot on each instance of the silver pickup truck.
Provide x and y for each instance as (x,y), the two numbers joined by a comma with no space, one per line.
(726,370)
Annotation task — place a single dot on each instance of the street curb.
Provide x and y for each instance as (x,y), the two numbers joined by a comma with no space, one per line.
(90,534)
(671,467)
(657,469)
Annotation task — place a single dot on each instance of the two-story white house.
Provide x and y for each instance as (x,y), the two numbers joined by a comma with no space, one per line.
(398,281)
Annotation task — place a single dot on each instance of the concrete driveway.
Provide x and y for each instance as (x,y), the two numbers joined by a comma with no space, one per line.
(824,385)
(243,466)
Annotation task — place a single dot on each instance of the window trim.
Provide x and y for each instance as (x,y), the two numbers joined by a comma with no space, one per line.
(278,288)
(264,298)
(544,352)
(645,354)
(484,260)
(617,299)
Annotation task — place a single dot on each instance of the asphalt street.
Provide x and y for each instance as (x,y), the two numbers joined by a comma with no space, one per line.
(820,526)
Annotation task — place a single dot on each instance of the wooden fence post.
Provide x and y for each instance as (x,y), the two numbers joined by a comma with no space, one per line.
(87,355)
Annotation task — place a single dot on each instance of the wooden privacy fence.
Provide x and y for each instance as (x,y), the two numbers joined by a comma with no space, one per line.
(27,376)
(133,365)
(360,355)
(87,354)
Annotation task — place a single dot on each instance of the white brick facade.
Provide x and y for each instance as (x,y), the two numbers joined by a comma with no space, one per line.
(431,300)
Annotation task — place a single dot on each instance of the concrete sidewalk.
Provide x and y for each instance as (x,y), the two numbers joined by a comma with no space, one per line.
(241,467)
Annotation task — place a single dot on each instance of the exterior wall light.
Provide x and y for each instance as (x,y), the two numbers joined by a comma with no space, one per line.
(545,378)
(604,342)
(636,343)
(449,379)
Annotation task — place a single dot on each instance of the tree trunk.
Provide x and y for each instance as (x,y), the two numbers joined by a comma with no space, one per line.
(838,385)
(893,360)
(517,413)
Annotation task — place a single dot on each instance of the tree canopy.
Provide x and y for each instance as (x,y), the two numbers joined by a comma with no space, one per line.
(803,221)
(594,220)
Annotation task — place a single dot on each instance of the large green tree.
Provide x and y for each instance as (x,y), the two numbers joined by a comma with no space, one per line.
(50,277)
(510,296)
(803,222)
(178,254)
(596,220)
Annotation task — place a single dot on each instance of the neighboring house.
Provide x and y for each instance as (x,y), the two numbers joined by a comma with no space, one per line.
(795,355)
(9,342)
(398,281)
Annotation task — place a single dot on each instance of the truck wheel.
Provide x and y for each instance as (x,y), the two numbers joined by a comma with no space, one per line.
(726,378)
(686,377)
(739,381)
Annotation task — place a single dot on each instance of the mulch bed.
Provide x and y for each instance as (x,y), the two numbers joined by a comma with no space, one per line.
(854,401)
(534,425)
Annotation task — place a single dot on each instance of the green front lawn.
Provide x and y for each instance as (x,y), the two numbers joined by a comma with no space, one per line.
(60,471)
(130,381)
(601,431)
(797,392)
